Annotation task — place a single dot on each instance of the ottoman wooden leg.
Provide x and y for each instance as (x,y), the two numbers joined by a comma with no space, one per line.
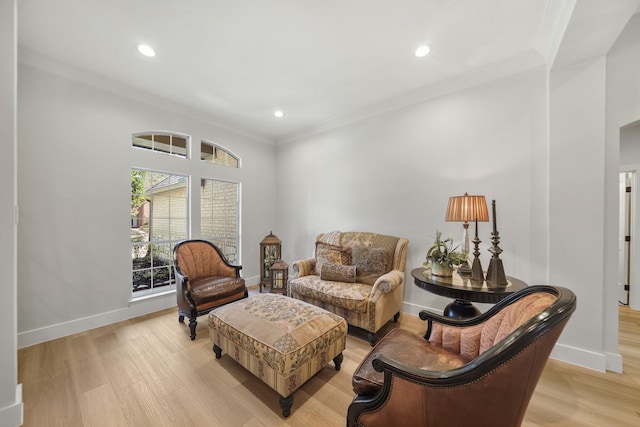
(337,361)
(285,404)
(218,351)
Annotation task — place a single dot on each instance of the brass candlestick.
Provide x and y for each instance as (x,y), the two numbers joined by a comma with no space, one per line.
(476,267)
(495,273)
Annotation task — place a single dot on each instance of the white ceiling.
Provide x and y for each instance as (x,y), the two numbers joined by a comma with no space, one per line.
(320,61)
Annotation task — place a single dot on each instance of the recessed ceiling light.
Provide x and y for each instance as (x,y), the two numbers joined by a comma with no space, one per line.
(278,113)
(422,51)
(146,50)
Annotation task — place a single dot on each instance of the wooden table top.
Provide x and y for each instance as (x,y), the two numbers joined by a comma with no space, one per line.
(465,289)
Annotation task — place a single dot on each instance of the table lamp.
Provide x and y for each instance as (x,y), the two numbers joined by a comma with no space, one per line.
(464,209)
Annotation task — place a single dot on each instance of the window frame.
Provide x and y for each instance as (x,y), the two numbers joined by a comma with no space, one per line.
(152,147)
(225,150)
(184,180)
(238,221)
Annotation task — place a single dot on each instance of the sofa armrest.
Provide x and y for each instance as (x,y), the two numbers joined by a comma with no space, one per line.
(386,283)
(303,267)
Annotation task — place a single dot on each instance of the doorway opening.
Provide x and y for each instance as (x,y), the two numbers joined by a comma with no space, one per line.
(624,236)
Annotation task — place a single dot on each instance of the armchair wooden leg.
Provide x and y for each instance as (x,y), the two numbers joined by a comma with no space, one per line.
(396,317)
(192,327)
(180,318)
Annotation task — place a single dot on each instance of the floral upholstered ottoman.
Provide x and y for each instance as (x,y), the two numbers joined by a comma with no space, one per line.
(282,341)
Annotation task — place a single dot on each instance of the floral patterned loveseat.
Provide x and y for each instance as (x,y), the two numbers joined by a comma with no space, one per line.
(356,275)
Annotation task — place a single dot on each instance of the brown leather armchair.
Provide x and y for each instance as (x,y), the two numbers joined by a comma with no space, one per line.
(480,371)
(204,280)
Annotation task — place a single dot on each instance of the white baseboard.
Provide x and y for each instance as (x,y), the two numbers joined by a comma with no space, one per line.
(579,356)
(252,281)
(416,309)
(565,353)
(614,362)
(12,416)
(135,308)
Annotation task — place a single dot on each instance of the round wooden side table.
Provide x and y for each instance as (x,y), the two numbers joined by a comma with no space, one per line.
(464,291)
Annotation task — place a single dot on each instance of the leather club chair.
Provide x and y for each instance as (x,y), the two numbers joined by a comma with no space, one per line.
(204,280)
(474,372)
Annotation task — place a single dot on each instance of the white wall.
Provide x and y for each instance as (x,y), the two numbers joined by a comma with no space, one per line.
(75,156)
(10,391)
(630,145)
(394,173)
(576,206)
(623,110)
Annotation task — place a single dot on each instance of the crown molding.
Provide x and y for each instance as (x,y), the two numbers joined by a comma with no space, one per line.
(498,70)
(38,61)
(555,20)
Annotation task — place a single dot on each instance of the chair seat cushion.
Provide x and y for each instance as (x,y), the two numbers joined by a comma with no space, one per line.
(203,289)
(407,348)
(351,296)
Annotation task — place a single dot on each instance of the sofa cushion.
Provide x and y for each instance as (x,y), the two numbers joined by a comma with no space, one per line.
(350,296)
(338,272)
(326,253)
(370,263)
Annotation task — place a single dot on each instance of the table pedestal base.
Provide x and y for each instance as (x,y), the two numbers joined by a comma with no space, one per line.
(461,309)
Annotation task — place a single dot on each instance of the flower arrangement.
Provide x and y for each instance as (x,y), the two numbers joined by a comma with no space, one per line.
(444,253)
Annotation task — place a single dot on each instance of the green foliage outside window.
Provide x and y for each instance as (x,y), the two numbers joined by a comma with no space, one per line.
(137,190)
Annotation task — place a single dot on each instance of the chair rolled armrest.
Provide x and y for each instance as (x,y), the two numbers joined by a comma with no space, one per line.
(237,268)
(388,282)
(181,278)
(303,267)
(227,269)
(182,290)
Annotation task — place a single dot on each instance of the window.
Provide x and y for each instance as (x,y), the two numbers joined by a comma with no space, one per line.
(220,216)
(160,209)
(217,155)
(159,219)
(169,143)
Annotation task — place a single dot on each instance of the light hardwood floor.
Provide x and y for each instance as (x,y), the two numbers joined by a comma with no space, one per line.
(146,372)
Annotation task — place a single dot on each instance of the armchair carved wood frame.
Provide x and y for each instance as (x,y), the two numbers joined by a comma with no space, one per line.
(409,380)
(204,280)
